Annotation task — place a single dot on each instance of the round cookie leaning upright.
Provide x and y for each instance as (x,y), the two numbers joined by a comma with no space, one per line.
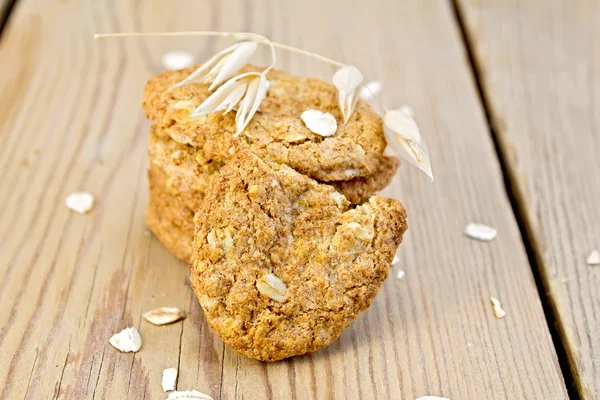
(282,264)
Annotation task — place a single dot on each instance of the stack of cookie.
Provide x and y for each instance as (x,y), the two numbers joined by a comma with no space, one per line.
(186,154)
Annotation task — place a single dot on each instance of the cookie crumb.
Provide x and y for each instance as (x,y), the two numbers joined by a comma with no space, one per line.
(498,311)
(128,340)
(169,379)
(164,315)
(271,286)
(188,395)
(480,232)
(80,202)
(593,258)
(173,60)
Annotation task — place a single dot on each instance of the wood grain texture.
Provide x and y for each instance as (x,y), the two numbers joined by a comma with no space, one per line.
(5,8)
(540,70)
(70,119)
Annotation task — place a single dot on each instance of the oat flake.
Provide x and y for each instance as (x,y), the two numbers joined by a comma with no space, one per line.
(323,124)
(128,340)
(169,379)
(593,258)
(480,232)
(80,202)
(164,315)
(271,286)
(433,398)
(498,311)
(188,395)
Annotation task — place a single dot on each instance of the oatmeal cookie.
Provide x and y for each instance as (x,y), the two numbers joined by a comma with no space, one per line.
(172,206)
(175,238)
(177,202)
(175,192)
(276,133)
(358,190)
(186,170)
(282,264)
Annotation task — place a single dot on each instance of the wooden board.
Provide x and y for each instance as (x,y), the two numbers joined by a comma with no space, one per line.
(5,6)
(540,69)
(70,119)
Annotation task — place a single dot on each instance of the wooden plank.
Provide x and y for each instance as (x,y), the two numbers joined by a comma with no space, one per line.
(540,70)
(70,119)
(5,8)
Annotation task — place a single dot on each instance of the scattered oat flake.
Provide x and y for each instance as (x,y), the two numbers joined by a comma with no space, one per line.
(188,395)
(271,286)
(594,258)
(176,59)
(498,311)
(128,340)
(433,398)
(80,202)
(169,379)
(323,124)
(400,274)
(480,232)
(164,315)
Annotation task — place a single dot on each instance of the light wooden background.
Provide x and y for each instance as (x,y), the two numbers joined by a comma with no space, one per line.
(71,119)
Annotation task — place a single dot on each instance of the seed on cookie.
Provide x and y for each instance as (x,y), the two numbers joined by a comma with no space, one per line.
(271,286)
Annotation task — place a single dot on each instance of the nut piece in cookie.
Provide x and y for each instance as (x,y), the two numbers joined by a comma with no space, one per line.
(282,264)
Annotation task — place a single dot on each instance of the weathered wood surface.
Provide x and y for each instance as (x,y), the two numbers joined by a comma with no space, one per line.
(540,70)
(70,119)
(5,8)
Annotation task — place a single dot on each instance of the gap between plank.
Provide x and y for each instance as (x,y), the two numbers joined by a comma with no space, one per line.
(5,12)
(519,209)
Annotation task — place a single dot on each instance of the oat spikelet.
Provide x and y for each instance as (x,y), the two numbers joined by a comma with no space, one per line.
(347,79)
(403,136)
(246,91)
(221,66)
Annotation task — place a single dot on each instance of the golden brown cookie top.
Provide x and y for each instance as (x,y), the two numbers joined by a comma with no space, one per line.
(282,264)
(276,133)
